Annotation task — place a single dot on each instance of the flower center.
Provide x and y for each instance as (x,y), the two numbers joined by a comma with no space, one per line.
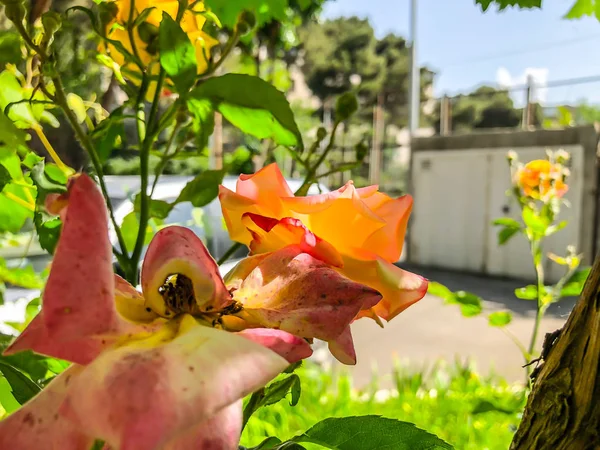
(178,294)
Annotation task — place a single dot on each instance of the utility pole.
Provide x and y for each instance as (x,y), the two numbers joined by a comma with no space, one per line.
(528,112)
(415,82)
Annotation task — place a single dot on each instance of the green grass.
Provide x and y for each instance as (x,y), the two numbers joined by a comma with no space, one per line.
(451,401)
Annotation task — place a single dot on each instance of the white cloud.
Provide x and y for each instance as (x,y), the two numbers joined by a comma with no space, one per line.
(539,75)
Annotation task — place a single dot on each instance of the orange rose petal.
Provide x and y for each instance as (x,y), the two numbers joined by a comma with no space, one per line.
(265,185)
(37,424)
(141,397)
(399,288)
(177,250)
(271,234)
(221,432)
(342,348)
(388,241)
(292,291)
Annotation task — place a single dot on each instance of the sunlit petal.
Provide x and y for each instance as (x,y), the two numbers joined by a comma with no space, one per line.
(286,345)
(142,396)
(38,424)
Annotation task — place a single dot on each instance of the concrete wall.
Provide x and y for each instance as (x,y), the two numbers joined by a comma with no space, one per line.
(459,182)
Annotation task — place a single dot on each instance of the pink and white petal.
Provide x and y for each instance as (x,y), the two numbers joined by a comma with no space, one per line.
(221,432)
(78,300)
(286,345)
(342,348)
(35,337)
(177,250)
(292,291)
(388,241)
(158,393)
(270,235)
(38,424)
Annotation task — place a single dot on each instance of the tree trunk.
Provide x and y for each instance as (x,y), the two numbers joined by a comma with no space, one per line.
(563,409)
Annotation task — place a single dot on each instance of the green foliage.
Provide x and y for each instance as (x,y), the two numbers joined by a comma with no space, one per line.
(583,8)
(442,400)
(177,54)
(203,189)
(499,318)
(252,105)
(469,303)
(23,388)
(575,283)
(503,4)
(368,433)
(529,292)
(510,227)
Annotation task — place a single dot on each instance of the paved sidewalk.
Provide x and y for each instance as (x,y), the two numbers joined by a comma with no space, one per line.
(430,330)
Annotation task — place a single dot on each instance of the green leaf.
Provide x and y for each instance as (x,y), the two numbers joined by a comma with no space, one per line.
(345,106)
(177,54)
(31,159)
(554,228)
(581,8)
(265,10)
(439,290)
(10,135)
(13,214)
(268,443)
(529,292)
(470,304)
(24,277)
(7,399)
(45,185)
(75,103)
(507,222)
(5,177)
(574,285)
(2,292)
(129,230)
(204,120)
(11,91)
(253,105)
(484,406)
(48,230)
(537,223)
(106,134)
(506,233)
(369,433)
(503,4)
(203,189)
(279,389)
(23,388)
(499,318)
(158,208)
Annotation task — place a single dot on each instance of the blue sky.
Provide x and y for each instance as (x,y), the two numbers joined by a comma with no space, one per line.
(468,48)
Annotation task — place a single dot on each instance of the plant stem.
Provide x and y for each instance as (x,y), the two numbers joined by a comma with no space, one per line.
(230,251)
(535,245)
(233,40)
(309,179)
(86,142)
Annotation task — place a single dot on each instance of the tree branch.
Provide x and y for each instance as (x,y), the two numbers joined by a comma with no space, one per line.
(563,409)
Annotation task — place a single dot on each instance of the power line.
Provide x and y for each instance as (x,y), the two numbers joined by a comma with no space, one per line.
(549,46)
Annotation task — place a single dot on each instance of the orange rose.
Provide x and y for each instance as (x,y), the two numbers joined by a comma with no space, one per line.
(360,232)
(540,179)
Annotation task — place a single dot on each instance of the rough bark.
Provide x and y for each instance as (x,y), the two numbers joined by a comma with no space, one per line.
(563,409)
